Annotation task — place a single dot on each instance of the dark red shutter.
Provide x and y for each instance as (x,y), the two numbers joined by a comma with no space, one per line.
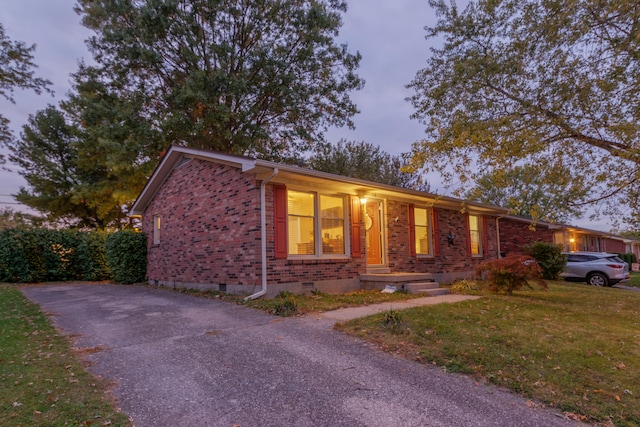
(436,232)
(485,237)
(412,230)
(280,221)
(356,250)
(468,232)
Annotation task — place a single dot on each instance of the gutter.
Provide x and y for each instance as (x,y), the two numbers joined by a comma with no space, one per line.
(263,237)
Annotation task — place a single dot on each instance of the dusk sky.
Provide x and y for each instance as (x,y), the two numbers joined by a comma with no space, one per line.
(390,36)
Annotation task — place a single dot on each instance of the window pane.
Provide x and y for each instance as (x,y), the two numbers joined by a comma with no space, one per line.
(422,240)
(475,243)
(301,203)
(332,223)
(301,236)
(301,223)
(420,217)
(474,234)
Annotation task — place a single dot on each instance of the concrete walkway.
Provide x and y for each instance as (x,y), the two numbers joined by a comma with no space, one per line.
(349,313)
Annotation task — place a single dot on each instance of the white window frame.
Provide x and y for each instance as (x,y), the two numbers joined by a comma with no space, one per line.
(480,236)
(429,226)
(156,229)
(319,253)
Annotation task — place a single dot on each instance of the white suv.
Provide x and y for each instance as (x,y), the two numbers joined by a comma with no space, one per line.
(595,268)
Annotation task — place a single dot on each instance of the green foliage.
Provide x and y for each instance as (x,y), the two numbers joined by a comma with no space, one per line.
(392,319)
(549,258)
(239,76)
(629,258)
(526,193)
(21,256)
(16,71)
(59,162)
(126,253)
(510,273)
(523,82)
(39,255)
(464,285)
(365,161)
(285,304)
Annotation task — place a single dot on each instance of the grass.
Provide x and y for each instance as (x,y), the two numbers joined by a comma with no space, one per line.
(634,281)
(317,302)
(573,347)
(42,381)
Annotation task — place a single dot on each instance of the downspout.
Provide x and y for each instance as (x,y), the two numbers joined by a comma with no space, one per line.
(498,218)
(263,237)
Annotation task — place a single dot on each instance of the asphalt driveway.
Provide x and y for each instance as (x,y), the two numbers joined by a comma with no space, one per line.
(177,360)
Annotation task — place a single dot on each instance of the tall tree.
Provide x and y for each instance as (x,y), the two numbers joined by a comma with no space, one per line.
(526,193)
(16,71)
(48,160)
(545,83)
(241,76)
(365,161)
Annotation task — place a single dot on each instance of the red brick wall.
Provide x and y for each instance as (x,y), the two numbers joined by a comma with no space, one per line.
(210,226)
(451,259)
(210,234)
(515,235)
(613,245)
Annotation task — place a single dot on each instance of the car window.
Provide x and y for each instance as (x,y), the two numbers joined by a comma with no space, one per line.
(580,258)
(615,259)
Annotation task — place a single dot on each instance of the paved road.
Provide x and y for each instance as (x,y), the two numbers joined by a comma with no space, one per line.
(178,360)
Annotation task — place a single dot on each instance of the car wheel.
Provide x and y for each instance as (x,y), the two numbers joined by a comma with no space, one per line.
(598,279)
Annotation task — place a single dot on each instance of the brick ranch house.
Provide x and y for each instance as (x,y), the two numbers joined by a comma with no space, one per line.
(241,225)
(517,232)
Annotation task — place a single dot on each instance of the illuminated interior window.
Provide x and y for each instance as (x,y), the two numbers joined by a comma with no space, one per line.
(301,223)
(332,224)
(423,240)
(474,235)
(316,224)
(156,229)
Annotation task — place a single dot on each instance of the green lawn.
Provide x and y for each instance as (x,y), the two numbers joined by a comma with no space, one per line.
(42,381)
(573,347)
(634,281)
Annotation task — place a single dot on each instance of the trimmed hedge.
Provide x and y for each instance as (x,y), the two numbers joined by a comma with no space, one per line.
(549,257)
(629,258)
(44,255)
(127,256)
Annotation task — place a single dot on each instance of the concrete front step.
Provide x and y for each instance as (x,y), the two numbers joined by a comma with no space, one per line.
(431,288)
(412,283)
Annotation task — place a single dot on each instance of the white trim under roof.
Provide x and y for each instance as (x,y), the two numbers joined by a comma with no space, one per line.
(293,174)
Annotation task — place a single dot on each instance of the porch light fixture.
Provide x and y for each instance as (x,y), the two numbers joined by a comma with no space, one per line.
(363,200)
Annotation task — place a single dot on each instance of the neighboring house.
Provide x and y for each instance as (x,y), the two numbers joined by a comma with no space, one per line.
(238,224)
(517,232)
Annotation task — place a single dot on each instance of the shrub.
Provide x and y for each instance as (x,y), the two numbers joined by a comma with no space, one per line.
(40,254)
(549,258)
(464,285)
(21,256)
(629,258)
(285,304)
(510,273)
(126,254)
